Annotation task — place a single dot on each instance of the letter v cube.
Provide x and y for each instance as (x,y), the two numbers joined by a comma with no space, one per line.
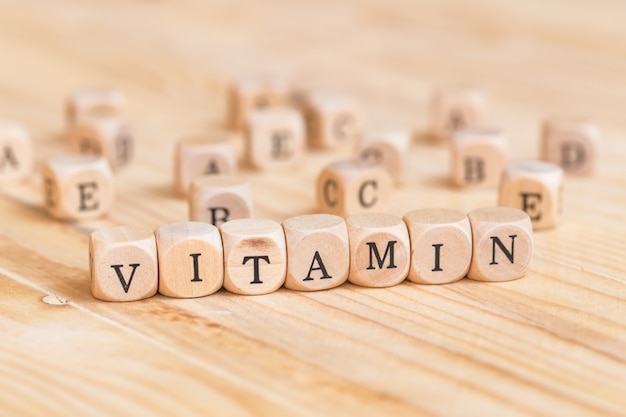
(123,263)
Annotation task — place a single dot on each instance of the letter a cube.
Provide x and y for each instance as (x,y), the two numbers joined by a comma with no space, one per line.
(318,253)
(16,151)
(457,108)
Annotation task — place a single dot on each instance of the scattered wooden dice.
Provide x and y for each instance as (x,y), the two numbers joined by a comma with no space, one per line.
(572,144)
(478,157)
(195,158)
(352,186)
(16,152)
(77,187)
(103,135)
(534,187)
(456,108)
(389,148)
(275,138)
(218,199)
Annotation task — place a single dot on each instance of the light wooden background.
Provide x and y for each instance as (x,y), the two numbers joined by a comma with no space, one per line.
(552,343)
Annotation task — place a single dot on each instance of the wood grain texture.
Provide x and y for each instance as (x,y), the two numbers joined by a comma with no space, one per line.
(552,343)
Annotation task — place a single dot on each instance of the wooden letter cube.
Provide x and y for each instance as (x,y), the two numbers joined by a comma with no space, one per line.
(255,256)
(107,136)
(389,148)
(16,152)
(94,101)
(332,120)
(502,240)
(275,138)
(191,259)
(77,187)
(456,108)
(318,253)
(123,263)
(441,245)
(217,199)
(380,249)
(534,187)
(572,144)
(478,157)
(197,158)
(249,94)
(349,187)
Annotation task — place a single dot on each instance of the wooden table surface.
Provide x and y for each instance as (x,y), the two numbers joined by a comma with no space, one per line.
(552,343)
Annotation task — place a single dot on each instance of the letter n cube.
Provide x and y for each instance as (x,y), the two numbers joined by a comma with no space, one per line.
(502,240)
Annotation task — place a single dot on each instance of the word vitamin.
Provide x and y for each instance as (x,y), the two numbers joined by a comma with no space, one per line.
(309,252)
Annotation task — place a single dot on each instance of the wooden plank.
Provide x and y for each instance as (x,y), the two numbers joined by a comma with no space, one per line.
(552,343)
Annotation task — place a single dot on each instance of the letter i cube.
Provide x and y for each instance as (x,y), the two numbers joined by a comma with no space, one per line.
(77,187)
(380,249)
(441,245)
(191,262)
(123,263)
(16,151)
(318,253)
(275,138)
(502,240)
(255,256)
